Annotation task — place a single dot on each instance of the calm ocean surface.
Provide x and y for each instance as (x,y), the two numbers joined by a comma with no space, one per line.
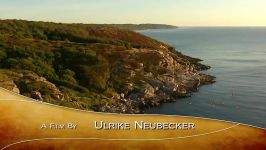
(238,60)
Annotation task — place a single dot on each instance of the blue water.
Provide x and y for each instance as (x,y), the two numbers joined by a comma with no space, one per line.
(238,60)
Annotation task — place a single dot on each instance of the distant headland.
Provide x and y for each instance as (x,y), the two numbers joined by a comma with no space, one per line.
(144,26)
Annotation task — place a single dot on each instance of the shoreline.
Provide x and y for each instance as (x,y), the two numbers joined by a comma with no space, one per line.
(94,67)
(162,89)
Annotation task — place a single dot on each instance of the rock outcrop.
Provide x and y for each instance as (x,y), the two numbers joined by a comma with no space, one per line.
(30,84)
(9,85)
(157,79)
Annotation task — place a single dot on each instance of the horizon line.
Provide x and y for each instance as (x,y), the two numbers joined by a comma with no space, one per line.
(180,26)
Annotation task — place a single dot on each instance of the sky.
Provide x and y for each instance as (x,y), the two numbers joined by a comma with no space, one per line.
(173,12)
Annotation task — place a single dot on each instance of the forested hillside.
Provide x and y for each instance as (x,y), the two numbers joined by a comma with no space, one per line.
(93,67)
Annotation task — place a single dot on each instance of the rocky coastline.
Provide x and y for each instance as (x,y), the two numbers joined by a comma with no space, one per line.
(94,67)
(182,77)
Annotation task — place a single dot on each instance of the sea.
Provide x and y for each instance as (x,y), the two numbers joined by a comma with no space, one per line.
(237,56)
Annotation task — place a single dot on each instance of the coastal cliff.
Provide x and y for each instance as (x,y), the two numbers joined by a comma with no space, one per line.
(94,67)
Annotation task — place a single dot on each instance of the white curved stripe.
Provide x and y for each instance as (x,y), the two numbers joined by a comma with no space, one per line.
(110,139)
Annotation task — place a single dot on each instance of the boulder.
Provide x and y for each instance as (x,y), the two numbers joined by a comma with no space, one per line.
(36,95)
